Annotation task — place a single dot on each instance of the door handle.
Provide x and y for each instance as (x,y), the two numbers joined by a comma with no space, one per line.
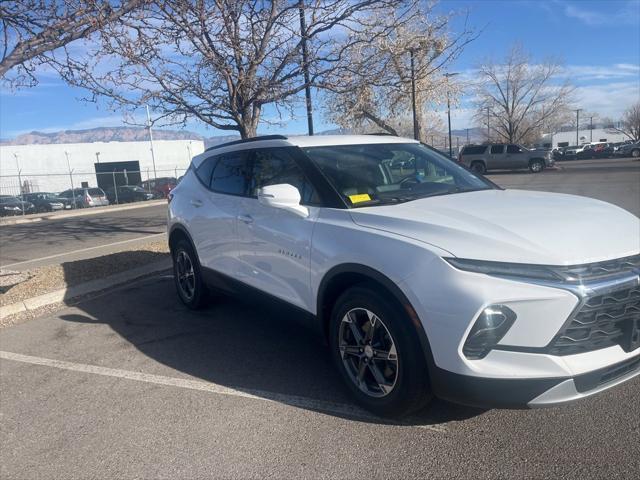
(196,203)
(245,218)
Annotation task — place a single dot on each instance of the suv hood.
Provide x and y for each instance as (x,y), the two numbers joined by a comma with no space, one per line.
(512,226)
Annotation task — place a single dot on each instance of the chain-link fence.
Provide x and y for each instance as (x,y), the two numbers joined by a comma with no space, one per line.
(87,189)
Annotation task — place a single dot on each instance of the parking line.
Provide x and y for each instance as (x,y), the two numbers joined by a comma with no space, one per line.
(88,249)
(292,400)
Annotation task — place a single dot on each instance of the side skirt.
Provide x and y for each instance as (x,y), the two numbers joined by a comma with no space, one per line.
(251,295)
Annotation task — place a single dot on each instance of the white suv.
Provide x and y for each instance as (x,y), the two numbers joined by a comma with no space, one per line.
(424,278)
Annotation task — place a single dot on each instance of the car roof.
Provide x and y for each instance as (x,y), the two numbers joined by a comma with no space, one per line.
(302,141)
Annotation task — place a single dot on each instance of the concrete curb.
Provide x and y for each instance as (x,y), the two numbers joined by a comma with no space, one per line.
(69,293)
(79,213)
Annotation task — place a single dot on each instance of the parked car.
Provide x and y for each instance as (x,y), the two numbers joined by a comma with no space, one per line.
(86,197)
(482,158)
(160,187)
(629,150)
(128,193)
(10,205)
(47,202)
(426,280)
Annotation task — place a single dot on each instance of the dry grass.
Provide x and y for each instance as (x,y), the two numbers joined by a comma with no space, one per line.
(54,277)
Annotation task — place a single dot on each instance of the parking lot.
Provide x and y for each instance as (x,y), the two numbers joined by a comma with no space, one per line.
(131,384)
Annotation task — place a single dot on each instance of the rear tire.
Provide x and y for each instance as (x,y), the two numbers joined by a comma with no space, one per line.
(187,276)
(478,167)
(536,166)
(376,349)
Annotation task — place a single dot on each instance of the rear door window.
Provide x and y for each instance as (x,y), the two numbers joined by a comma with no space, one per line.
(497,149)
(474,149)
(231,174)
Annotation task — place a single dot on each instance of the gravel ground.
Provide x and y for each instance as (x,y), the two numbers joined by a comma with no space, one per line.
(54,277)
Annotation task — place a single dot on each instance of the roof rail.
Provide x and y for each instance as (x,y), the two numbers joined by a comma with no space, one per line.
(247,140)
(383,134)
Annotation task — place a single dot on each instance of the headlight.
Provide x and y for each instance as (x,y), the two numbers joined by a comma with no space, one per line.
(537,272)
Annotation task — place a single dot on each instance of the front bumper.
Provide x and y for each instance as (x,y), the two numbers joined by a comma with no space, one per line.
(555,352)
(529,392)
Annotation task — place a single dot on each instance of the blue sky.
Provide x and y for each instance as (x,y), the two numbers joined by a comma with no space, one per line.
(598,40)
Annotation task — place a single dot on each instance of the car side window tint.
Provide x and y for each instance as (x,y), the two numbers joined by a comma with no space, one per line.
(497,149)
(513,149)
(275,166)
(203,172)
(231,174)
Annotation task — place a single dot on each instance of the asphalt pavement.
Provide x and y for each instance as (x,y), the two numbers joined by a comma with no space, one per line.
(133,385)
(55,241)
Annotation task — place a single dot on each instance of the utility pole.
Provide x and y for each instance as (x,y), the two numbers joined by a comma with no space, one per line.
(467,136)
(305,67)
(447,76)
(591,128)
(153,156)
(577,126)
(416,130)
(98,156)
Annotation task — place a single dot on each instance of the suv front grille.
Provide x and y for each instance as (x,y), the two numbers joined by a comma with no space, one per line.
(602,321)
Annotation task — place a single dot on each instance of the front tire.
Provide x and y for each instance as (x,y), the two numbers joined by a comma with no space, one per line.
(635,153)
(375,348)
(187,276)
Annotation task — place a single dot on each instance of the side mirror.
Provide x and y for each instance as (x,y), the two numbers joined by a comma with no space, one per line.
(284,196)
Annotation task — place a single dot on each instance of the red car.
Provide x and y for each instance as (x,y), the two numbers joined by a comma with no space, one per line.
(160,187)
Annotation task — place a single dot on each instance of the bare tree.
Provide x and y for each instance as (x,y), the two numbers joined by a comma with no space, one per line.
(223,61)
(519,99)
(31,29)
(630,123)
(375,93)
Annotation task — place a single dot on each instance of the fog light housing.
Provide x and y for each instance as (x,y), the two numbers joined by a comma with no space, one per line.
(488,330)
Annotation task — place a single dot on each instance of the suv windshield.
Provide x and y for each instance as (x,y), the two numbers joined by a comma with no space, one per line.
(390,173)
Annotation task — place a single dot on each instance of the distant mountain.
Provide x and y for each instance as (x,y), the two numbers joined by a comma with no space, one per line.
(112,134)
(101,134)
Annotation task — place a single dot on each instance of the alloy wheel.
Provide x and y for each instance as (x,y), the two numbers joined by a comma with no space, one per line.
(185,273)
(368,352)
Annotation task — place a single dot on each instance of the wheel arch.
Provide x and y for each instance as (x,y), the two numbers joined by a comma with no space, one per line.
(178,232)
(346,275)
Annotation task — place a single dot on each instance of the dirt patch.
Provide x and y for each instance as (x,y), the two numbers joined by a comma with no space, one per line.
(54,277)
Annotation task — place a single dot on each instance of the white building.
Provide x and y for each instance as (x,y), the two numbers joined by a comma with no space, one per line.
(44,167)
(565,139)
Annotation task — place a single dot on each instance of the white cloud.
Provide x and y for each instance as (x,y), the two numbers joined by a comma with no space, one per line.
(627,14)
(608,100)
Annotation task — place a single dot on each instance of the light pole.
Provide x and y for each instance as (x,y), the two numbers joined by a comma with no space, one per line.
(577,125)
(467,136)
(416,129)
(73,190)
(19,181)
(591,128)
(447,76)
(98,157)
(153,157)
(305,67)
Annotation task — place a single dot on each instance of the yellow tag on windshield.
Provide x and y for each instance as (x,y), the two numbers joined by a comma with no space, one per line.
(362,197)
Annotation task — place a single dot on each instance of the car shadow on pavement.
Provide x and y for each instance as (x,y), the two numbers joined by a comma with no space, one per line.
(257,349)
